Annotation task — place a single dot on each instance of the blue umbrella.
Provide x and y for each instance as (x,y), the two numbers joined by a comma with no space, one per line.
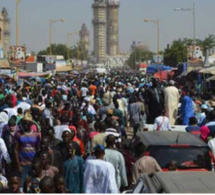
(38,79)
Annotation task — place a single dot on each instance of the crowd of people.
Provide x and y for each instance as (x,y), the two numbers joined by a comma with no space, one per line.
(69,133)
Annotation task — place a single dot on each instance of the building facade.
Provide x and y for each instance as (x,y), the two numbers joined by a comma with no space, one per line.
(5,32)
(112,27)
(99,25)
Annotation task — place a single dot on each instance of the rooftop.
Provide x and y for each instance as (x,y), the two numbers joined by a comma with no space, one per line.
(170,138)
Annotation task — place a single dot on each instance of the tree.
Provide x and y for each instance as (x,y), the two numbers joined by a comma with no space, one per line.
(139,55)
(60,49)
(176,53)
(208,43)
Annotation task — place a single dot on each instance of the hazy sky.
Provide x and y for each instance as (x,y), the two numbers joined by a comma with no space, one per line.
(35,15)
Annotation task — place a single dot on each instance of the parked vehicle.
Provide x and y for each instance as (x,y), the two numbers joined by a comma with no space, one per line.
(175,182)
(189,151)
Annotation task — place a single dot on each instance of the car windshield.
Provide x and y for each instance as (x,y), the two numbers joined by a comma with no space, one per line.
(185,157)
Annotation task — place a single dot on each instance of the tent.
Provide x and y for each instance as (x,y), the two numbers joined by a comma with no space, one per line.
(212,78)
(38,79)
(163,75)
(209,70)
(152,69)
(32,74)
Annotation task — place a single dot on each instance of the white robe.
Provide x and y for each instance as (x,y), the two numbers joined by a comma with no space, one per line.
(99,177)
(171,95)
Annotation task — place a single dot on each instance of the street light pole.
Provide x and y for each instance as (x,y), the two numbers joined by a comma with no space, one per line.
(50,33)
(50,37)
(193,10)
(194,23)
(157,22)
(17,22)
(158,36)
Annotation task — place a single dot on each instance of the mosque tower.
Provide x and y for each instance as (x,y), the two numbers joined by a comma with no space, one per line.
(99,24)
(5,31)
(84,37)
(112,27)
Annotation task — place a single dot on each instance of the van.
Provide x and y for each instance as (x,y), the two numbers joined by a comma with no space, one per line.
(175,182)
(189,151)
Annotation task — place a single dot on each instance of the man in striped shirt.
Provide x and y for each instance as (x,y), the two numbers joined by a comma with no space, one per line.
(112,130)
(27,143)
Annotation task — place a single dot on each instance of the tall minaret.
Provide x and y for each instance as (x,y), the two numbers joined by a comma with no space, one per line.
(112,27)
(84,37)
(99,24)
(6,32)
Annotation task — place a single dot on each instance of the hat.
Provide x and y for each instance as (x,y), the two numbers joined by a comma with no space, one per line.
(66,130)
(99,146)
(28,116)
(171,82)
(12,122)
(204,106)
(87,99)
(73,128)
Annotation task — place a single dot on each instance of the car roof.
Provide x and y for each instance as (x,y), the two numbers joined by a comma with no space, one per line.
(183,182)
(170,138)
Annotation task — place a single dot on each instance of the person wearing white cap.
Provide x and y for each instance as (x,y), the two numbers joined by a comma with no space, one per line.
(171,100)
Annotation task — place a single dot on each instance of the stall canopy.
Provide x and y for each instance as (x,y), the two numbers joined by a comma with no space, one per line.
(38,79)
(209,70)
(211,78)
(151,69)
(63,68)
(32,74)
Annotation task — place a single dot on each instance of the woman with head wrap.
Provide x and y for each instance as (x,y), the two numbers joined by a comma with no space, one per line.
(75,139)
(204,133)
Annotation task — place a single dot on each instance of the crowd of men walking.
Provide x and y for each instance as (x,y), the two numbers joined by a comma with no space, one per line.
(68,134)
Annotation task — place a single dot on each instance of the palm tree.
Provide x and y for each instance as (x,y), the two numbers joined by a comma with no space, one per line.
(208,43)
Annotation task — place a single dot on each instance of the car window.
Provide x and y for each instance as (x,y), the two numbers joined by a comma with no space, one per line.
(141,187)
(189,157)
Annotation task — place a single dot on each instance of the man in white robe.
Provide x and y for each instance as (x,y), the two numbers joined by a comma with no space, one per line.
(99,175)
(172,96)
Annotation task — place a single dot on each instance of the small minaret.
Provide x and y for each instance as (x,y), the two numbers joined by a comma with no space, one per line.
(84,37)
(5,32)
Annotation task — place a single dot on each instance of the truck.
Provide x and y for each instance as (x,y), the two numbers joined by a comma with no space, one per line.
(58,60)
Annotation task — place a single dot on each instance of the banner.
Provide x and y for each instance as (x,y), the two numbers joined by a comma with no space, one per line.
(17,54)
(158,59)
(195,53)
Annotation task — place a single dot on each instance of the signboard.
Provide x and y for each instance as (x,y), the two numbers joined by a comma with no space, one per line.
(158,59)
(195,53)
(17,54)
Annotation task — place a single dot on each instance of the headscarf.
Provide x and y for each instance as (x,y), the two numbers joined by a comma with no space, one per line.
(204,133)
(75,139)
(74,129)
